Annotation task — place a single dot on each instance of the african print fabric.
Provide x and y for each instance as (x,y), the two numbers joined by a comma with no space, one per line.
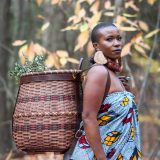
(119,130)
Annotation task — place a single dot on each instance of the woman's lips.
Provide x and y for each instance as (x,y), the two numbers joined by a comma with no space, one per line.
(117,51)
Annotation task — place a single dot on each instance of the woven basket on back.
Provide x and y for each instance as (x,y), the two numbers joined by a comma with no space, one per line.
(47,111)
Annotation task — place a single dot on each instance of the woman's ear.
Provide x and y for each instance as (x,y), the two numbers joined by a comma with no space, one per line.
(95,45)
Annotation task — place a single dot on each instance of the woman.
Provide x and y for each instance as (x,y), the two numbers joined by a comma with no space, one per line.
(111,129)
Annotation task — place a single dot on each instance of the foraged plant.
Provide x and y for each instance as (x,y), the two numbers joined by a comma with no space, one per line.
(37,65)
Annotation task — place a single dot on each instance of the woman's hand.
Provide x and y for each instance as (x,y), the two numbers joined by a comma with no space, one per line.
(125,82)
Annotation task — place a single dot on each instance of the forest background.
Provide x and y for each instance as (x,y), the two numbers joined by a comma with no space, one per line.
(60,29)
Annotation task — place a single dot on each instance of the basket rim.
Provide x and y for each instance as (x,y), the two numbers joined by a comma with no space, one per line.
(52,72)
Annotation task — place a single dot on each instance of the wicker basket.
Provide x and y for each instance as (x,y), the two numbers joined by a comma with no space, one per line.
(47,111)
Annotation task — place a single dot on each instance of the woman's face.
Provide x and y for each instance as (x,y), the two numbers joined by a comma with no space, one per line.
(109,41)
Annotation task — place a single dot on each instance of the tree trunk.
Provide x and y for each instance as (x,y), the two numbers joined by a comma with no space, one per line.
(5,137)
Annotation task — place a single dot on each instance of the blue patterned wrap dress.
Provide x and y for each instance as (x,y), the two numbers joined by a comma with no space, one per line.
(119,130)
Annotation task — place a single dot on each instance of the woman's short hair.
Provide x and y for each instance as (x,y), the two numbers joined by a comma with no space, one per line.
(97,28)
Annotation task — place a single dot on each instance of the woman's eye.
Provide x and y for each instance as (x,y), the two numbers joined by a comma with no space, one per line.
(109,39)
(119,38)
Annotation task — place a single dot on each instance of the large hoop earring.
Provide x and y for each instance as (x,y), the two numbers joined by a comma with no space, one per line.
(100,58)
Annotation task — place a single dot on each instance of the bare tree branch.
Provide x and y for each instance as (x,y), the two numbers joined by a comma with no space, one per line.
(130,72)
(6,89)
(6,48)
(149,60)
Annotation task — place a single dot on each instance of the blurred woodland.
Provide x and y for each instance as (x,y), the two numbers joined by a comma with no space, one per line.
(60,30)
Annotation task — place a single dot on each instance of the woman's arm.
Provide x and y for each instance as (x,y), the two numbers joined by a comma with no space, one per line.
(93,95)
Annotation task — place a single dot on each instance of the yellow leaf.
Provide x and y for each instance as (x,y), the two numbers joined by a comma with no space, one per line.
(119,20)
(131,5)
(132,23)
(95,19)
(151,2)
(45,26)
(82,39)
(150,34)
(63,61)
(77,20)
(95,7)
(77,8)
(144,45)
(128,29)
(39,2)
(126,50)
(143,25)
(30,52)
(9,156)
(40,16)
(62,53)
(90,1)
(107,5)
(81,1)
(39,50)
(55,1)
(52,60)
(73,60)
(70,19)
(81,13)
(90,50)
(18,42)
(74,27)
(140,50)
(22,53)
(110,14)
(137,38)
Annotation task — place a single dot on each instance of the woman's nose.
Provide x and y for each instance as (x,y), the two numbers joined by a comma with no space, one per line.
(117,43)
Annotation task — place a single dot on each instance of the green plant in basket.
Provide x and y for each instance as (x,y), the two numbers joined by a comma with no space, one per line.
(37,65)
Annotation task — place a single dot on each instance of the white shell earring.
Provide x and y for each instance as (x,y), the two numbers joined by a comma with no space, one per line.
(100,58)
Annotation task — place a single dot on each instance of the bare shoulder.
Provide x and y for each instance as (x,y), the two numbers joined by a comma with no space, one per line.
(98,72)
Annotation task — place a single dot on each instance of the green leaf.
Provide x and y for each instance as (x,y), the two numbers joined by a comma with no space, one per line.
(36,66)
(129,15)
(84,26)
